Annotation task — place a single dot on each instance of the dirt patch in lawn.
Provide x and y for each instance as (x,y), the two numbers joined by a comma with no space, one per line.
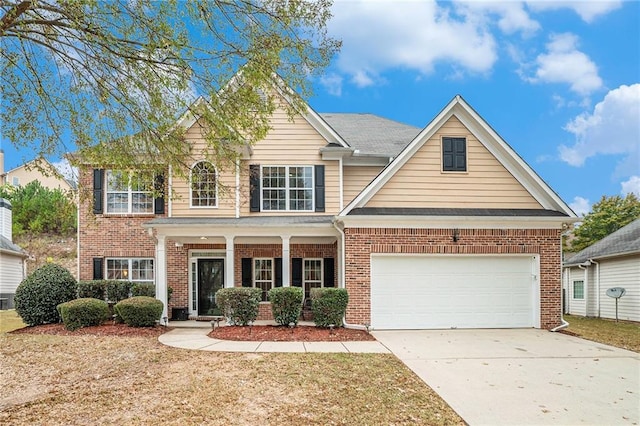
(270,333)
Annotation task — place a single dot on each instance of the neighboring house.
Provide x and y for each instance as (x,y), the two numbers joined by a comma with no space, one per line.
(439,227)
(13,267)
(45,174)
(614,261)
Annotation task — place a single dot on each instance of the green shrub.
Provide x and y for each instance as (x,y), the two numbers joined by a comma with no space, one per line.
(94,289)
(143,289)
(286,304)
(239,304)
(139,311)
(83,312)
(329,306)
(40,293)
(117,290)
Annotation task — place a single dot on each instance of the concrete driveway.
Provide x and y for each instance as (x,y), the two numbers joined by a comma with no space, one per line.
(523,376)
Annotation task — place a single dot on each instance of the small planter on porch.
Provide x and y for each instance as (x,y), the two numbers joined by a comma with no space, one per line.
(179,314)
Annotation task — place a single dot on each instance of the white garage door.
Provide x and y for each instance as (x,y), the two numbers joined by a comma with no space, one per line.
(450,291)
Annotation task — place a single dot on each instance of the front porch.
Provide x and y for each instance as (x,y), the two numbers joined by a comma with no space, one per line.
(198,256)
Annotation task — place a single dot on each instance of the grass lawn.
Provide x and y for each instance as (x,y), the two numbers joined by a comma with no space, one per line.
(61,380)
(625,335)
(9,321)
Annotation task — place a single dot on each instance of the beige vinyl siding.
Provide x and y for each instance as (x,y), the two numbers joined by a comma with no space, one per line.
(621,272)
(181,202)
(421,182)
(355,178)
(292,143)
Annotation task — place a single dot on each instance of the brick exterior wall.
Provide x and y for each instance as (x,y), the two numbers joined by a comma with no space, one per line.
(109,235)
(362,242)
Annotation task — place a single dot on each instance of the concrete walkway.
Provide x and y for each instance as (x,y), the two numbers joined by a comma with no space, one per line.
(193,335)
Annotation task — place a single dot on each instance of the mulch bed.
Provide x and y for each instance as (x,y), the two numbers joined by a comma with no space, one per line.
(106,329)
(270,333)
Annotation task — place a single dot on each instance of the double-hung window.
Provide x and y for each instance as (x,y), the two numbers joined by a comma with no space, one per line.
(204,185)
(129,192)
(139,270)
(312,275)
(287,188)
(263,276)
(578,289)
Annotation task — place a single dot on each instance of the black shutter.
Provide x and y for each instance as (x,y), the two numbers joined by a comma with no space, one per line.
(296,272)
(254,187)
(158,186)
(98,184)
(98,268)
(278,271)
(319,189)
(329,272)
(454,154)
(247,279)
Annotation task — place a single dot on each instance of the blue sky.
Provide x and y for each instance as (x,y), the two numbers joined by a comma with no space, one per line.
(558,80)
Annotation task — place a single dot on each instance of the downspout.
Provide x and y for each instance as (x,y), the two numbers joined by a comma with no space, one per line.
(597,286)
(342,283)
(564,324)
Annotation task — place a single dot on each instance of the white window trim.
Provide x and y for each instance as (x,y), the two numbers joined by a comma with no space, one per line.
(466,154)
(191,189)
(288,189)
(573,290)
(253,274)
(304,280)
(129,192)
(130,270)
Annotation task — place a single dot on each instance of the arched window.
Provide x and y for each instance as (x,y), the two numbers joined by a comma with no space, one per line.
(204,185)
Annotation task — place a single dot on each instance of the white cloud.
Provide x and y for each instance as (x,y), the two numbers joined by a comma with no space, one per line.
(564,63)
(333,83)
(66,170)
(512,16)
(587,10)
(382,35)
(612,128)
(580,205)
(631,185)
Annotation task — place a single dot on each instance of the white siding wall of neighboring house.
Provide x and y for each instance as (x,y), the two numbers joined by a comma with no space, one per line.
(575,306)
(12,268)
(621,272)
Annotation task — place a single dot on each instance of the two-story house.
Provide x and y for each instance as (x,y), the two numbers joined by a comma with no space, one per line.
(439,227)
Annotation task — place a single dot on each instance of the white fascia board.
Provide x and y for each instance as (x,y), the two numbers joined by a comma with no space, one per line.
(240,230)
(509,158)
(367,160)
(459,222)
(374,186)
(335,152)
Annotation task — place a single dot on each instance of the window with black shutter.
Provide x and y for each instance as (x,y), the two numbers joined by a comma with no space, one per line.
(454,154)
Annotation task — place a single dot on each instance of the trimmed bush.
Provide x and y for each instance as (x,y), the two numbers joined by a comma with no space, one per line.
(117,290)
(139,311)
(329,306)
(286,304)
(40,293)
(239,304)
(83,312)
(94,289)
(143,289)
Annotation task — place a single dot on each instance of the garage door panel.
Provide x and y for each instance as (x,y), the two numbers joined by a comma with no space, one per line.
(451,291)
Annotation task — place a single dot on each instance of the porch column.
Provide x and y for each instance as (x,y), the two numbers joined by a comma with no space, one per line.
(161,275)
(285,260)
(228,263)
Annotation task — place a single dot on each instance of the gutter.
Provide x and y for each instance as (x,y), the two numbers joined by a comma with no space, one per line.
(564,324)
(342,283)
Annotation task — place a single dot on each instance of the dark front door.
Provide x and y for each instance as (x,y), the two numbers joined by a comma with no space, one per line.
(210,280)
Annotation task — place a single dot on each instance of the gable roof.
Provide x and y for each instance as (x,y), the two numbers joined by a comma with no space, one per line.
(624,241)
(370,134)
(489,138)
